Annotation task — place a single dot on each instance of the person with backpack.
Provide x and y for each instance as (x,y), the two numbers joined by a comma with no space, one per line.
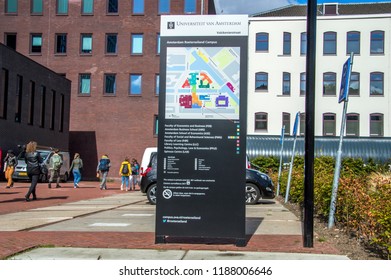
(55,164)
(10,164)
(102,170)
(124,172)
(135,174)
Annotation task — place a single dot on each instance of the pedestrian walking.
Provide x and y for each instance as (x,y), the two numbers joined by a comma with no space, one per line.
(76,167)
(10,163)
(33,161)
(102,171)
(135,173)
(55,164)
(124,172)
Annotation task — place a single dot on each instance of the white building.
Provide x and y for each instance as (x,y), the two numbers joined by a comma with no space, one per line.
(277,65)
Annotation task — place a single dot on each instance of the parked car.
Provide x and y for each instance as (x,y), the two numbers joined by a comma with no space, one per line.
(258,184)
(46,153)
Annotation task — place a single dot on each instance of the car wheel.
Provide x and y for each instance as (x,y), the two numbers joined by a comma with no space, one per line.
(151,194)
(252,193)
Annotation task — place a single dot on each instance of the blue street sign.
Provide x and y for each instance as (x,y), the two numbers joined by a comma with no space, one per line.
(345,81)
(295,126)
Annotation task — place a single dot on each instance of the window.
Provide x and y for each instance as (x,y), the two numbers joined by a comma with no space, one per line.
(10,40)
(329,125)
(158,43)
(376,125)
(53,110)
(329,83)
(260,121)
(135,84)
(61,43)
(303,81)
(3,93)
(261,81)
(302,124)
(19,96)
(36,7)
(352,124)
(11,6)
(85,84)
(109,85)
(137,43)
(138,6)
(354,86)
(30,119)
(376,83)
(353,42)
(36,43)
(112,6)
(86,43)
(43,105)
(62,7)
(286,83)
(303,43)
(329,43)
(262,42)
(286,122)
(164,7)
(155,125)
(157,84)
(111,43)
(287,43)
(377,42)
(87,7)
(190,6)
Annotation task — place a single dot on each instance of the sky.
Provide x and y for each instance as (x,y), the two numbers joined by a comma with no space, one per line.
(256,6)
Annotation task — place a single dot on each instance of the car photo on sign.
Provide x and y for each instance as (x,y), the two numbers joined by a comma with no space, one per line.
(258,184)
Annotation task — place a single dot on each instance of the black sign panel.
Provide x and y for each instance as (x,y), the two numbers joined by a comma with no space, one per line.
(202,136)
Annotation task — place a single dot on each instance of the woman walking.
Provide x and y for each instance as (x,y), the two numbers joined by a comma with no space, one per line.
(33,161)
(76,166)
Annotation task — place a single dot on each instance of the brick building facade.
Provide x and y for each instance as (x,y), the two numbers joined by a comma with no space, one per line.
(110,51)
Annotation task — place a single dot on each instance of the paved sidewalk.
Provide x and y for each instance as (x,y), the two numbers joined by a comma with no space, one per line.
(88,223)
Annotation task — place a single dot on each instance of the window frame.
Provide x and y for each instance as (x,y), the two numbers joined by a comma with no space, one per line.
(82,37)
(7,7)
(157,84)
(327,122)
(140,5)
(84,7)
(59,4)
(303,83)
(109,5)
(266,78)
(350,41)
(334,81)
(375,40)
(134,43)
(286,82)
(262,42)
(303,43)
(113,87)
(132,88)
(193,7)
(32,51)
(352,125)
(82,77)
(372,81)
(329,43)
(263,121)
(373,122)
(108,43)
(286,121)
(287,43)
(163,5)
(18,98)
(57,35)
(33,3)
(354,81)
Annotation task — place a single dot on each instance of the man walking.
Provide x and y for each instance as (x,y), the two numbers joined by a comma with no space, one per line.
(55,164)
(10,163)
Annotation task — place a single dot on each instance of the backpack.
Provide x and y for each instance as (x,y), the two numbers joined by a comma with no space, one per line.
(125,169)
(57,163)
(104,164)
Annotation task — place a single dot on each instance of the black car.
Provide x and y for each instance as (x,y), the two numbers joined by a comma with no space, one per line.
(258,184)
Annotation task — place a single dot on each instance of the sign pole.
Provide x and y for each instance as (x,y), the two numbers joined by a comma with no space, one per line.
(344,94)
(292,157)
(280,167)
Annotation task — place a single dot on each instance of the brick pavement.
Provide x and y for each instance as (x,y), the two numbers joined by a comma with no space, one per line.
(12,200)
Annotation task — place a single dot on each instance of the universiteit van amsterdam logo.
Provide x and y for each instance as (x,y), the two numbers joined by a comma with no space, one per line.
(170,25)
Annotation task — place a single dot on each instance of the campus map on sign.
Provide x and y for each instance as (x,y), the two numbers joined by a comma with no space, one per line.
(203,83)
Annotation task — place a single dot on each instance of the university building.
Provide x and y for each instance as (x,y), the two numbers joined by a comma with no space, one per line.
(277,66)
(109,49)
